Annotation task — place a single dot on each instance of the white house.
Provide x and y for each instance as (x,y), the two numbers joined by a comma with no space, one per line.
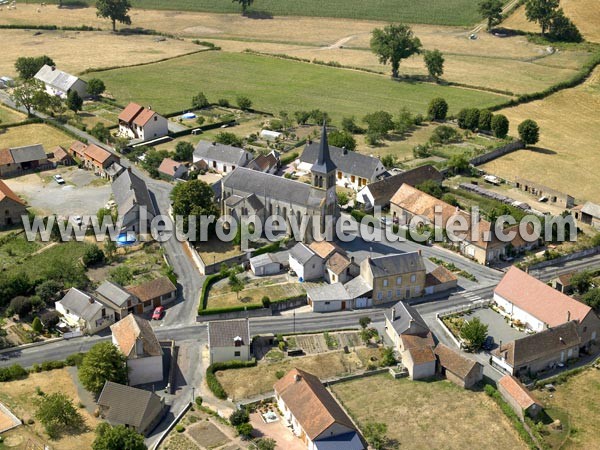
(82,311)
(306,263)
(134,203)
(263,265)
(220,157)
(229,340)
(134,337)
(329,297)
(314,415)
(353,170)
(144,124)
(61,83)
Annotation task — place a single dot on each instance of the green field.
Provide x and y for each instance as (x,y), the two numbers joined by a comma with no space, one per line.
(275,84)
(439,12)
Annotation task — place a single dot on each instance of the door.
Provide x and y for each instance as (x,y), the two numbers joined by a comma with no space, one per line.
(343,305)
(156,302)
(139,308)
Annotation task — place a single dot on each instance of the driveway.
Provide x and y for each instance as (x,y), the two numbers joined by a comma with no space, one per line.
(276,430)
(498,328)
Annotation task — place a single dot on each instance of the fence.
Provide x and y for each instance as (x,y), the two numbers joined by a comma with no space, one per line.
(566,258)
(497,153)
(261,312)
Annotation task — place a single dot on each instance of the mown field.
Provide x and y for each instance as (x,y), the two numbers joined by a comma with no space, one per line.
(8,115)
(35,133)
(443,12)
(275,85)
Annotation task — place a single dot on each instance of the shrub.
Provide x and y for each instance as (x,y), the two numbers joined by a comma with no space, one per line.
(200,101)
(500,125)
(245,430)
(179,428)
(444,135)
(199,401)
(266,302)
(212,381)
(438,108)
(75,359)
(239,417)
(279,374)
(93,256)
(36,325)
(13,372)
(485,120)
(223,102)
(244,102)
(342,139)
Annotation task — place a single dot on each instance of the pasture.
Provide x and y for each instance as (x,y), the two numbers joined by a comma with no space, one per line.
(443,12)
(8,115)
(34,133)
(567,157)
(278,85)
(424,415)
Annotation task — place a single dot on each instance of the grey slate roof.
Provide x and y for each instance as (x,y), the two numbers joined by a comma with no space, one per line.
(591,209)
(399,263)
(383,190)
(128,405)
(357,287)
(327,292)
(129,190)
(345,160)
(301,253)
(221,333)
(114,169)
(221,152)
(405,317)
(56,78)
(262,260)
(114,293)
(81,304)
(323,163)
(274,187)
(28,153)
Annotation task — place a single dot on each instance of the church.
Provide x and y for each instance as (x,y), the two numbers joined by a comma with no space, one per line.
(247,192)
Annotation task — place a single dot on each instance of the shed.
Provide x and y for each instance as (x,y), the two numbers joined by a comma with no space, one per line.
(518,397)
(265,264)
(459,369)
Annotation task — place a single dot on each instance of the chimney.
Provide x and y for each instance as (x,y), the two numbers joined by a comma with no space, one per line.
(562,341)
(344,150)
(91,300)
(53,68)
(309,141)
(393,314)
(351,259)
(419,252)
(297,377)
(568,316)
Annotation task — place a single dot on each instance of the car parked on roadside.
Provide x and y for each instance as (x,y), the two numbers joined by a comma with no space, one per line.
(158,313)
(488,344)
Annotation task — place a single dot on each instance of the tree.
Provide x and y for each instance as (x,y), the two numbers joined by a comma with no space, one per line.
(379,122)
(115,10)
(529,132)
(245,4)
(21,306)
(474,332)
(342,139)
(117,438)
(364,322)
(387,356)
(93,256)
(438,108)
(491,10)
(319,116)
(193,198)
(28,66)
(349,125)
(468,118)
(458,164)
(57,413)
(104,362)
(13,285)
(48,291)
(431,187)
(74,101)
(245,430)
(243,102)
(152,160)
(541,12)
(36,325)
(394,43)
(227,138)
(96,88)
(239,416)
(434,60)
(445,135)
(592,299)
(236,284)
(500,125)
(374,433)
(405,122)
(302,117)
(110,249)
(183,151)
(101,133)
(485,120)
(563,29)
(121,275)
(582,281)
(389,161)
(31,95)
(199,101)
(266,444)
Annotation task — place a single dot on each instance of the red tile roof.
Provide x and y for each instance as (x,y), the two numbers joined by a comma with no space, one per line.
(6,157)
(6,192)
(439,275)
(97,153)
(78,148)
(143,117)
(169,166)
(421,355)
(130,112)
(152,289)
(517,391)
(538,299)
(454,361)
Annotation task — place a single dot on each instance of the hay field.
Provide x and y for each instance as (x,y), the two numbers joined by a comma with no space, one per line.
(34,133)
(102,49)
(584,13)
(426,415)
(275,85)
(568,158)
(8,115)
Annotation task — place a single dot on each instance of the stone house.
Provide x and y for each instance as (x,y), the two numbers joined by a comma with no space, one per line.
(518,397)
(220,157)
(229,340)
(150,294)
(457,368)
(11,207)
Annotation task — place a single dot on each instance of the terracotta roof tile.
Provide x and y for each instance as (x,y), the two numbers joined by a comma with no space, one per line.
(517,391)
(6,192)
(6,157)
(131,329)
(78,148)
(417,340)
(97,153)
(168,166)
(143,117)
(455,362)
(324,249)
(338,263)
(421,355)
(439,275)
(152,289)
(130,112)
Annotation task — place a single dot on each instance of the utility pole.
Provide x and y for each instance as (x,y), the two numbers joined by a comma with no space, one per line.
(294,320)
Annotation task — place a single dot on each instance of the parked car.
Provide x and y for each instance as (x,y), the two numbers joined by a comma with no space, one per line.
(489,343)
(78,220)
(59,179)
(158,313)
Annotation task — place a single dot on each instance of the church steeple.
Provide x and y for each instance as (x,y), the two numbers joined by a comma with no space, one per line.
(323,169)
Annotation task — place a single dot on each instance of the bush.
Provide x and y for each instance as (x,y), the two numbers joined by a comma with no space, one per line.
(36,325)
(75,359)
(266,302)
(245,430)
(444,135)
(213,382)
(342,139)
(223,102)
(239,417)
(500,125)
(51,365)
(179,428)
(279,374)
(438,108)
(199,101)
(485,120)
(199,401)
(244,102)
(50,319)
(13,372)
(20,306)
(93,256)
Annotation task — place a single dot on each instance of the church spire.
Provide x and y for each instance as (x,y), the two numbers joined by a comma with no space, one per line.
(323,164)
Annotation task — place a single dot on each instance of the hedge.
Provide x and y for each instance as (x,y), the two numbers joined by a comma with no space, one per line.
(213,382)
(208,312)
(13,26)
(288,158)
(269,248)
(208,282)
(13,372)
(24,122)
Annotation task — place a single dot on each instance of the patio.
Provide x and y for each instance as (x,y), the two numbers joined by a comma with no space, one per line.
(286,440)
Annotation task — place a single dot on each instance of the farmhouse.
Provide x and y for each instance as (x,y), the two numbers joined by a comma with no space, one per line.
(18,160)
(77,150)
(59,155)
(61,83)
(314,415)
(150,294)
(134,337)
(380,193)
(412,338)
(229,340)
(84,312)
(266,163)
(172,170)
(538,306)
(143,124)
(11,207)
(113,295)
(353,170)
(220,157)
(134,204)
(518,397)
(541,351)
(99,160)
(134,408)
(457,368)
(588,213)
(545,193)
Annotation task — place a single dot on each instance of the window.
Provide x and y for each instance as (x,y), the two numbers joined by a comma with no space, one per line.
(339,175)
(103,312)
(327,303)
(353,178)
(236,353)
(379,295)
(385,282)
(413,278)
(398,293)
(399,281)
(390,294)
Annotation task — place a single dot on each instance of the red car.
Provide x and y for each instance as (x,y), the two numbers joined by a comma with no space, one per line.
(158,313)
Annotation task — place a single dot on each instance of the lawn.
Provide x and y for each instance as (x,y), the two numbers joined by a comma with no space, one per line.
(425,415)
(575,403)
(566,158)
(443,12)
(8,115)
(16,249)
(21,397)
(275,85)
(251,381)
(34,133)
